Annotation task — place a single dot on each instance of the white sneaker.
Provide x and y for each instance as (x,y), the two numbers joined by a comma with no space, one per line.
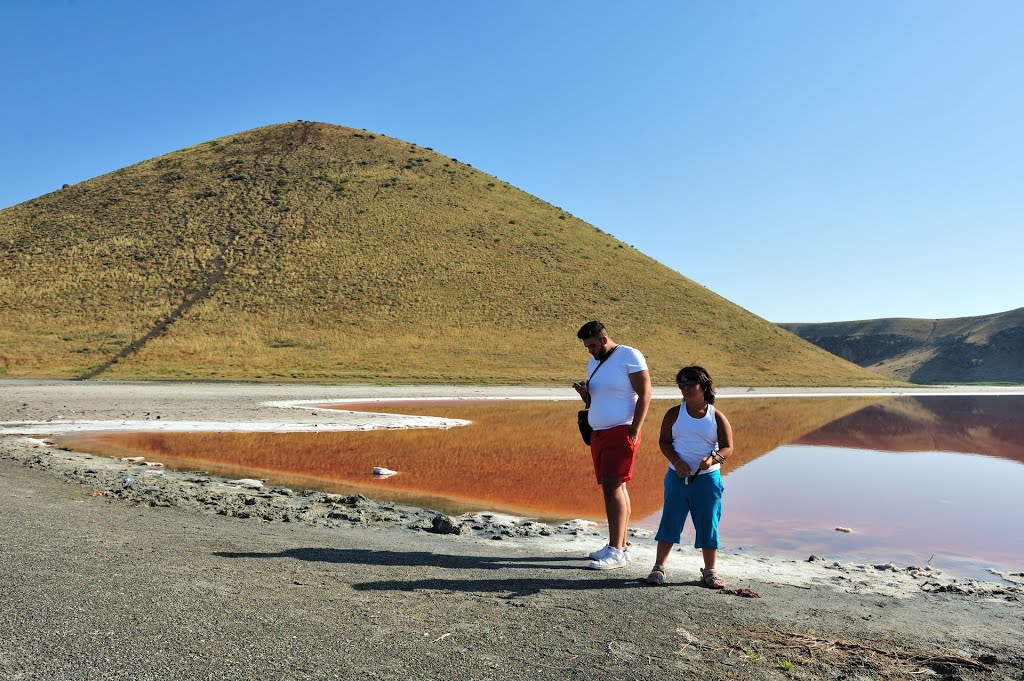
(603,551)
(612,560)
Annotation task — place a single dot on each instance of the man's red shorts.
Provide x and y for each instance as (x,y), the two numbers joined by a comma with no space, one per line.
(614,453)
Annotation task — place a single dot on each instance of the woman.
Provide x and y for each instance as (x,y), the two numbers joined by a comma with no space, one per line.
(695,438)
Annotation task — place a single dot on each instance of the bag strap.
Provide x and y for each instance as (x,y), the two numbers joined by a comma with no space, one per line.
(596,370)
(603,361)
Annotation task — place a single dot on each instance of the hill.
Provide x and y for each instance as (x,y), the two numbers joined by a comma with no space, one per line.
(985,349)
(309,251)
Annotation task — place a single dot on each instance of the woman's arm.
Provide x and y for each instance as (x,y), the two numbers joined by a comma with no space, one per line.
(665,442)
(724,436)
(724,443)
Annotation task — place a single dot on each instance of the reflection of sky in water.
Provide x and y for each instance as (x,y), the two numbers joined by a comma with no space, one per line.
(904,504)
(906,507)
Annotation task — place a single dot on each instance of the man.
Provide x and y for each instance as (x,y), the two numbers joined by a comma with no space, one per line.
(618,393)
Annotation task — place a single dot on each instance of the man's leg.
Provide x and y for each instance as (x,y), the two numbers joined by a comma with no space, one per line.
(616,506)
(629,511)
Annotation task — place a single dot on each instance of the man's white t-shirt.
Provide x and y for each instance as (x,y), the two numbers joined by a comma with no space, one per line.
(612,400)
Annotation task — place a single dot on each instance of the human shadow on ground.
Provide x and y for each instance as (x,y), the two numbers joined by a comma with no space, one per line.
(416,559)
(585,579)
(507,588)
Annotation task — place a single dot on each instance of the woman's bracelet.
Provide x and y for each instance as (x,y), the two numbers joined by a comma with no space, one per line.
(717,457)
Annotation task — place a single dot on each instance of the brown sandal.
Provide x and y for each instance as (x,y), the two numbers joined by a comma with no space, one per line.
(657,576)
(711,580)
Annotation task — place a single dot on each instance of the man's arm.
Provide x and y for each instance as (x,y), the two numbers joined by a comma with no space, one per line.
(641,382)
(584,391)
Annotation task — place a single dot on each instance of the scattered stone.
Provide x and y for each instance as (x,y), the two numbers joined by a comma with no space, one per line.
(687,636)
(578,524)
(443,524)
(248,483)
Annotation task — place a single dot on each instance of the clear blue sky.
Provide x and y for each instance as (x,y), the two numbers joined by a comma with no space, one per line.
(810,161)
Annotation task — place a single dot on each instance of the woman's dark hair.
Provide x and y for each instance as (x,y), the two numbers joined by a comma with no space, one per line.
(701,375)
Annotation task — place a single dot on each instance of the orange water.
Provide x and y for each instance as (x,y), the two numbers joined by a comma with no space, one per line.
(524,457)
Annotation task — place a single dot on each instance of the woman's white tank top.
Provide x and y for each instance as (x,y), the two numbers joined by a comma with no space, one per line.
(693,439)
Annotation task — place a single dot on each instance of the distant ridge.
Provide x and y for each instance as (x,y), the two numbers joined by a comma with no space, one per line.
(308,251)
(984,349)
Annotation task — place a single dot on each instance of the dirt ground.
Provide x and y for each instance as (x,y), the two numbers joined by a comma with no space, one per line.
(184,576)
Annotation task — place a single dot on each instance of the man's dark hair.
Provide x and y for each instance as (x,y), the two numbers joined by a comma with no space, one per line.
(701,375)
(590,330)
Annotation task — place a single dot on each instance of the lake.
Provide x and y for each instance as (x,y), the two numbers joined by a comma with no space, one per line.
(918,479)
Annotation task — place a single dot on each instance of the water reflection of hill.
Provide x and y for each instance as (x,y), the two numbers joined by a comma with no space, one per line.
(991,426)
(518,456)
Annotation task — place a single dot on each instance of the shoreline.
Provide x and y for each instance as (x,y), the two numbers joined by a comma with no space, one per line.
(201,492)
(136,484)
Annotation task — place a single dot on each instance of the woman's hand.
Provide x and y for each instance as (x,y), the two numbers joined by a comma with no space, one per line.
(682,470)
(706,462)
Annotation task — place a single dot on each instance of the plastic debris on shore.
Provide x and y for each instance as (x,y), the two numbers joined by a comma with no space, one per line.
(99,493)
(141,461)
(379,472)
(248,483)
(846,530)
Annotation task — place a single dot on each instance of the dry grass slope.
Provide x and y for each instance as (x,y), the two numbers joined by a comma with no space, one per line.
(984,349)
(307,251)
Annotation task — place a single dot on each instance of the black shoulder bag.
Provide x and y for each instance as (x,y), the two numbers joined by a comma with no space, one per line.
(583,415)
